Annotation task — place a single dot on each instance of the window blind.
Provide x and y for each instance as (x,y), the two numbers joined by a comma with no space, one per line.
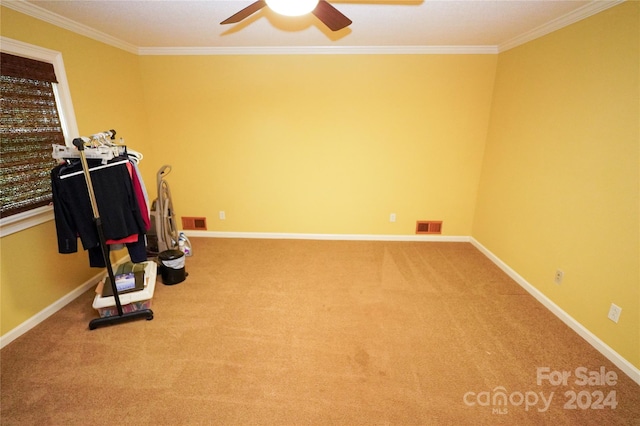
(29,125)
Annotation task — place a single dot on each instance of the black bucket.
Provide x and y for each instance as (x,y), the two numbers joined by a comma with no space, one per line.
(172,266)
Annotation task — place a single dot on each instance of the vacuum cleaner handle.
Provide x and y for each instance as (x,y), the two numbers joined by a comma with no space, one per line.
(164,170)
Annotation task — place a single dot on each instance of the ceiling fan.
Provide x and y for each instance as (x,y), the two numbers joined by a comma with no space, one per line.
(329,15)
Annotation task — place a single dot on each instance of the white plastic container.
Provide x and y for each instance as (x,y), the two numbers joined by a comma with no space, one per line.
(133,301)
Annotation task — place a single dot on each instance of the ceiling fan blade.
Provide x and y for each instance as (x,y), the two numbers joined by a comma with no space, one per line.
(245,13)
(331,16)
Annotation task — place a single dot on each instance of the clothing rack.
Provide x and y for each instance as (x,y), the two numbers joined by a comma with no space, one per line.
(122,316)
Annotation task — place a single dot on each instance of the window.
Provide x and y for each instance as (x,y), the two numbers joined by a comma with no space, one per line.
(26,150)
(30,124)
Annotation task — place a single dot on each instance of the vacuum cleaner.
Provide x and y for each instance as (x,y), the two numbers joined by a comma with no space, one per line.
(163,239)
(163,234)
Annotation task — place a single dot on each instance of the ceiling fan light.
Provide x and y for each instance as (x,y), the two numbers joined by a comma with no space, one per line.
(292,7)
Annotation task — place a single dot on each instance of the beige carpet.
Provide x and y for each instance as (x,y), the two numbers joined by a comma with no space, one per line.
(290,332)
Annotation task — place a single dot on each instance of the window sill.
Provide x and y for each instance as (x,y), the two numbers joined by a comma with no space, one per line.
(21,221)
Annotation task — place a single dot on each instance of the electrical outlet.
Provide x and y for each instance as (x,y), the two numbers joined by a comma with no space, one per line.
(559,277)
(222,215)
(614,313)
(392,217)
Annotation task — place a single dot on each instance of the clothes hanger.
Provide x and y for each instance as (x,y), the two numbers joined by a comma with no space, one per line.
(97,147)
(91,169)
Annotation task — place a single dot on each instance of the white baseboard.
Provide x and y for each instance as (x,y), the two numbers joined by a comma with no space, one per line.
(337,237)
(629,369)
(12,335)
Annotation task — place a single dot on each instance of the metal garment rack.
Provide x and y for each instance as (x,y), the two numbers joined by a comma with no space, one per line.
(122,316)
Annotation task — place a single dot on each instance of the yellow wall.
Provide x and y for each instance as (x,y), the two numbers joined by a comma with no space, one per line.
(106,91)
(560,181)
(34,275)
(321,144)
(333,144)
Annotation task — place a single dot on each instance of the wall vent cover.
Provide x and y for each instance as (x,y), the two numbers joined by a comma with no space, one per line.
(428,227)
(194,223)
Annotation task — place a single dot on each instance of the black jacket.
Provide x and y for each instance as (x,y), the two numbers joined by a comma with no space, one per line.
(117,205)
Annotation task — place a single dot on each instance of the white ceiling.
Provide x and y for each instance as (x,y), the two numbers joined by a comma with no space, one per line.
(185,26)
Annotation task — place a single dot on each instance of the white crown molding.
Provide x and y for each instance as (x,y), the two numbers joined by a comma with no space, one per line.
(62,22)
(321,50)
(584,12)
(44,15)
(590,9)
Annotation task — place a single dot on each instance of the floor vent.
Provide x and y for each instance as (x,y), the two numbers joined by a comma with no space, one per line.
(428,227)
(194,223)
